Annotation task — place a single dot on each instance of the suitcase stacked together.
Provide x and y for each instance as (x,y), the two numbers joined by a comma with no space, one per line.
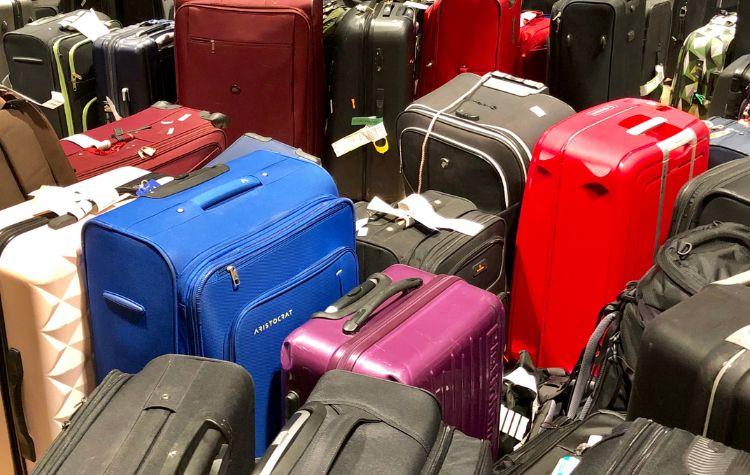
(291,237)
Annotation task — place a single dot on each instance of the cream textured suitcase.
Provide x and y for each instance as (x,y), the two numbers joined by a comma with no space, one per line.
(43,310)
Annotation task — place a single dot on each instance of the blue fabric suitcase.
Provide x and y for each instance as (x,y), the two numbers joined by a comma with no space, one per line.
(251,142)
(730,140)
(222,263)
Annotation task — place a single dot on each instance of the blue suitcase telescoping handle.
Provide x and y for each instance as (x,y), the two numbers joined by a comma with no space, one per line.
(225,192)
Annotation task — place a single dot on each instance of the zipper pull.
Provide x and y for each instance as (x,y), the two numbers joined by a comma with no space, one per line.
(213,46)
(235,277)
(74,78)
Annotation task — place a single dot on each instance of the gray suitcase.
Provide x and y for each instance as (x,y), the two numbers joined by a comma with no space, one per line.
(13,15)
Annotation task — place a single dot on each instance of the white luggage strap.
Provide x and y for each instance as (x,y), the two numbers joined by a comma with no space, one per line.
(655,82)
(416,208)
(667,146)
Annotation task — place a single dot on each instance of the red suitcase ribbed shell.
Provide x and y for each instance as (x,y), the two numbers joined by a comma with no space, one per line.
(590,215)
(260,62)
(468,36)
(181,140)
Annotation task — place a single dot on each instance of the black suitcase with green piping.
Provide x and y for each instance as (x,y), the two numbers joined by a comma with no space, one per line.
(47,56)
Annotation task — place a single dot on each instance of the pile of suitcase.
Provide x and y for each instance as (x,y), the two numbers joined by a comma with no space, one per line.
(386,236)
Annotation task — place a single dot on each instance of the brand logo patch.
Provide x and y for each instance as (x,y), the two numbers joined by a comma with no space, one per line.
(274,321)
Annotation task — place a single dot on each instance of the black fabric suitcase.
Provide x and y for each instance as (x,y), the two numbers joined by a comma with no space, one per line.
(180,414)
(563,437)
(44,8)
(354,424)
(644,447)
(720,194)
(741,44)
(135,68)
(730,140)
(732,89)
(595,46)
(694,366)
(46,56)
(655,47)
(479,147)
(14,14)
(130,12)
(371,75)
(480,260)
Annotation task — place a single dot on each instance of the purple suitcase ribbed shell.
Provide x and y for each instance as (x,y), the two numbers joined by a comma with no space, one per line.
(451,346)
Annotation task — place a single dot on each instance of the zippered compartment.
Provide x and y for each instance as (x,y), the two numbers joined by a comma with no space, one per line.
(636,453)
(457,169)
(256,262)
(81,421)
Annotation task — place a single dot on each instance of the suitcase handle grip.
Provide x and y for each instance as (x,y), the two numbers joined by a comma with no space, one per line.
(678,140)
(343,306)
(225,192)
(365,313)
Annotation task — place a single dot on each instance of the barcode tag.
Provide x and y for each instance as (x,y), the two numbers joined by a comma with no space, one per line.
(90,26)
(365,135)
(56,100)
(566,465)
(513,424)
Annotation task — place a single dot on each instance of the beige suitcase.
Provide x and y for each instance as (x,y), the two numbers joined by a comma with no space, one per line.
(44,320)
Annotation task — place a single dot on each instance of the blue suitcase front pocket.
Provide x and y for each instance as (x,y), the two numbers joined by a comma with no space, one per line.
(258,332)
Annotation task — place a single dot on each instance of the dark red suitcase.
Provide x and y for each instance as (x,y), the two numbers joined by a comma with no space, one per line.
(258,61)
(165,137)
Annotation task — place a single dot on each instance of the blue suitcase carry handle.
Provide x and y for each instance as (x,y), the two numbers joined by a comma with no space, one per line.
(225,192)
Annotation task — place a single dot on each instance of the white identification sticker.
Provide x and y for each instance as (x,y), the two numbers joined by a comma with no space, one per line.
(565,465)
(741,337)
(538,111)
(90,26)
(511,87)
(418,6)
(83,140)
(363,232)
(361,223)
(56,100)
(184,117)
(365,135)
(170,131)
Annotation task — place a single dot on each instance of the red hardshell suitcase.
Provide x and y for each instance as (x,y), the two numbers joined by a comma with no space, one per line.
(165,137)
(533,40)
(260,62)
(474,36)
(600,185)
(443,335)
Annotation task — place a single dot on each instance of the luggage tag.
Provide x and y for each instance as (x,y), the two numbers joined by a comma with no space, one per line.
(372,121)
(416,208)
(368,133)
(566,465)
(87,24)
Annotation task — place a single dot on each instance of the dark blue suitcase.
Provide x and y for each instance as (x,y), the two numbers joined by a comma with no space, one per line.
(730,140)
(251,142)
(135,68)
(222,263)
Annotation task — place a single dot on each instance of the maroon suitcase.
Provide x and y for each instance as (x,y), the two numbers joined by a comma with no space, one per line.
(258,61)
(165,137)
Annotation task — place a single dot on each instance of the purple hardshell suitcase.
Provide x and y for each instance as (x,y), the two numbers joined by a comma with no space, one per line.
(435,332)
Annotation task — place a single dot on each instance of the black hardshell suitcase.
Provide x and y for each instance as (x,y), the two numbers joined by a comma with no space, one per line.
(479,147)
(180,414)
(563,437)
(719,194)
(595,46)
(656,42)
(355,424)
(732,89)
(371,72)
(135,68)
(644,447)
(46,56)
(694,366)
(479,259)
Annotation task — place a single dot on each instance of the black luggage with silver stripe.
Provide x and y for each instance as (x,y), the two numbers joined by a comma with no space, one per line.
(480,132)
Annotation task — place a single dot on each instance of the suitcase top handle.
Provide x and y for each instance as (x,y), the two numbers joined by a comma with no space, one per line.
(185,182)
(362,301)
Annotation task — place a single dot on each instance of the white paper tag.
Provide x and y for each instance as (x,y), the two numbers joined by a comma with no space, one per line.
(361,223)
(416,208)
(90,26)
(517,89)
(594,439)
(365,135)
(538,111)
(513,424)
(184,117)
(362,232)
(566,465)
(56,100)
(418,6)
(83,140)
(741,337)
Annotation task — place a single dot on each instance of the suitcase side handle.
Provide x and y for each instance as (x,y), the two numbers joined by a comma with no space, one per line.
(221,194)
(365,313)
